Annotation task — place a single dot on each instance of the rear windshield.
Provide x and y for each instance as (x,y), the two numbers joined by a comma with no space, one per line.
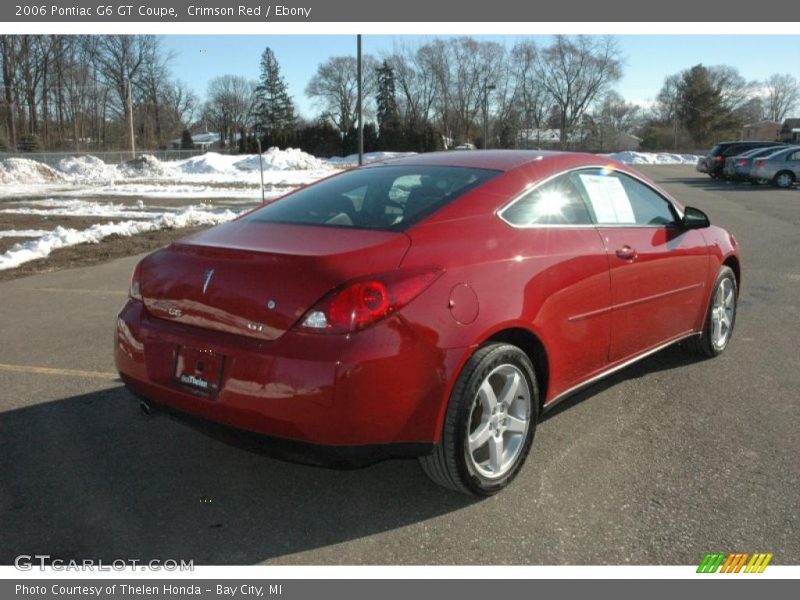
(389,198)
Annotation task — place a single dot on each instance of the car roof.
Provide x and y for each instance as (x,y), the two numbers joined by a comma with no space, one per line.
(783,149)
(498,160)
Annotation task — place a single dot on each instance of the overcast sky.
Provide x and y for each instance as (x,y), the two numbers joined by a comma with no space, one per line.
(648,58)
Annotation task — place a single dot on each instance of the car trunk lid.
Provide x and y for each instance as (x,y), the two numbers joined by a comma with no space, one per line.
(257,279)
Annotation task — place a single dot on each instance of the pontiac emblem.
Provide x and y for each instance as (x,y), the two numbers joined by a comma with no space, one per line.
(209,275)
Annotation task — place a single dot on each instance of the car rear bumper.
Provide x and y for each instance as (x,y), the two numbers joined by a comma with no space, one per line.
(383,386)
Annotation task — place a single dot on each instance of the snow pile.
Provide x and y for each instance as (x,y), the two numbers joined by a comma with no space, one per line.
(26,233)
(61,237)
(146,166)
(86,168)
(25,171)
(653,158)
(274,159)
(208,163)
(369,157)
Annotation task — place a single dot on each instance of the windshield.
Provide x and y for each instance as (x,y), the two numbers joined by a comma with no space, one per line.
(387,198)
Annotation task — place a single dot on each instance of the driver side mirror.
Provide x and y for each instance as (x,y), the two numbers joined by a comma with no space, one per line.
(694,218)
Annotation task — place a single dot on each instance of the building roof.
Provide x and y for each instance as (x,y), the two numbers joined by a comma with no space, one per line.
(764,122)
(790,124)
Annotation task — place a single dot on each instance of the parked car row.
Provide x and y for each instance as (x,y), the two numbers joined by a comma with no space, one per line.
(755,161)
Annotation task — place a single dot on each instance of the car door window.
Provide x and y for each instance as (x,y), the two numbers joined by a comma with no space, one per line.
(618,199)
(795,156)
(555,202)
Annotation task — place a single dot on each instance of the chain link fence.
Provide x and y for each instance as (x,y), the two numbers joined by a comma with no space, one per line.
(111,158)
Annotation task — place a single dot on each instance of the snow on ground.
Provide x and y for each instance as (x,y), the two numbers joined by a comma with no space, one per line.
(207,175)
(61,237)
(23,233)
(653,158)
(76,208)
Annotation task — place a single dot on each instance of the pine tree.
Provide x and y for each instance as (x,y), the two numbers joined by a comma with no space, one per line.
(186,140)
(274,108)
(390,135)
(701,108)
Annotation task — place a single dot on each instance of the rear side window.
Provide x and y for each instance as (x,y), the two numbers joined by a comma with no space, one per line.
(387,197)
(555,202)
(794,155)
(736,149)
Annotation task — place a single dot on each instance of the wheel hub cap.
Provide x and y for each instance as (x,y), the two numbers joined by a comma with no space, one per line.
(499,422)
(722,313)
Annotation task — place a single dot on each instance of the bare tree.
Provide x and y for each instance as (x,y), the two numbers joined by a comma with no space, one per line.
(182,100)
(123,61)
(416,86)
(335,88)
(782,96)
(575,72)
(229,107)
(734,90)
(614,116)
(476,66)
(531,97)
(9,49)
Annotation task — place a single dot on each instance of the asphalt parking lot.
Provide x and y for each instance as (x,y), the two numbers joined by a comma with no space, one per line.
(657,465)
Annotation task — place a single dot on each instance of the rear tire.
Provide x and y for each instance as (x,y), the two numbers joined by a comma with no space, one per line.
(489,425)
(720,316)
(784,179)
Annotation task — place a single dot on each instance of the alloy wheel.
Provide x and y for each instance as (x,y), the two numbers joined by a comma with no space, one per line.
(498,422)
(722,313)
(784,180)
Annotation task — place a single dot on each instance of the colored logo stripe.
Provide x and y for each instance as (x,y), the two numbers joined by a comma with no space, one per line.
(711,562)
(734,562)
(758,563)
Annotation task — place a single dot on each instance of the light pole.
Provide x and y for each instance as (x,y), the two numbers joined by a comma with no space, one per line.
(360,107)
(129,103)
(486,87)
(257,130)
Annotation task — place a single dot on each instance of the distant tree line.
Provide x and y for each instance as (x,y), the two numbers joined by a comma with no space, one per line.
(72,93)
(66,92)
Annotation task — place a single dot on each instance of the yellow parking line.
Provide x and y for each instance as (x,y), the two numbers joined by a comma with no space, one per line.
(74,291)
(62,372)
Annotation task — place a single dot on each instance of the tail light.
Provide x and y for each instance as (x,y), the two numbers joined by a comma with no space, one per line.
(717,158)
(759,162)
(135,289)
(741,163)
(358,304)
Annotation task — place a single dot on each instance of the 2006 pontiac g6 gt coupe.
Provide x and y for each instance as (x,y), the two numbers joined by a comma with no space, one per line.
(432,306)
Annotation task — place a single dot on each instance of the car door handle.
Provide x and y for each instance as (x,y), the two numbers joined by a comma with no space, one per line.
(627,253)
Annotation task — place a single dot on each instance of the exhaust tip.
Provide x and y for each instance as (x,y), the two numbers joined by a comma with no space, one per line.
(145,407)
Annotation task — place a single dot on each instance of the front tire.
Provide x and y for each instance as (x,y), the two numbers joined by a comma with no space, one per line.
(489,425)
(720,316)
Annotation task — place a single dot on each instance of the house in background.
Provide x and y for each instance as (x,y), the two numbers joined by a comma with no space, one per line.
(790,132)
(767,131)
(204,141)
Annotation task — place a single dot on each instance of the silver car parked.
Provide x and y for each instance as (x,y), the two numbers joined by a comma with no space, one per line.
(782,168)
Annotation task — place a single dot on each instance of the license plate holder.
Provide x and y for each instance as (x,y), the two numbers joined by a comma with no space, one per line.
(199,370)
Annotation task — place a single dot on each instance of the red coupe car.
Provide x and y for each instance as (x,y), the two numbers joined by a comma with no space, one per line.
(432,306)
